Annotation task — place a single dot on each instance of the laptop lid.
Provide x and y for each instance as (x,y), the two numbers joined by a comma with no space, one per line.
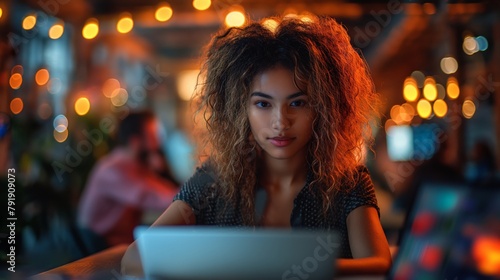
(453,232)
(229,253)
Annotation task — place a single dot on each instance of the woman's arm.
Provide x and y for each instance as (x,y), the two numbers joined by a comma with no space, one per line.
(179,213)
(368,244)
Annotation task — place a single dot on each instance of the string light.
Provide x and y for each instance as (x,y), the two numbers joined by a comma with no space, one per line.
(202,5)
(440,108)
(424,108)
(235,19)
(91,29)
(15,81)
(452,88)
(125,23)
(42,77)
(164,12)
(16,105)
(82,106)
(29,22)
(56,31)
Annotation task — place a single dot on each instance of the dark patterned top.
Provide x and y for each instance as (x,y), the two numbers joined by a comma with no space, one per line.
(210,209)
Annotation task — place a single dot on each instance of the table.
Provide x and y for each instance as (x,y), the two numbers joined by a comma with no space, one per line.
(102,265)
(105,265)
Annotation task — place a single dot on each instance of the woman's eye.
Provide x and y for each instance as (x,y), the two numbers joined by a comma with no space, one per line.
(262,104)
(298,103)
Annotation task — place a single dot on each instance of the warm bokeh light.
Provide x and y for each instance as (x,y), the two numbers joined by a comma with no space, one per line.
(164,12)
(452,88)
(410,92)
(235,19)
(17,69)
(82,106)
(388,124)
(202,5)
(44,111)
(54,86)
(430,91)
(407,112)
(16,105)
(186,83)
(409,109)
(470,46)
(449,65)
(440,108)
(110,86)
(29,22)
(61,136)
(270,24)
(56,31)
(60,123)
(468,109)
(120,97)
(42,76)
(306,18)
(125,24)
(424,108)
(395,112)
(486,254)
(419,78)
(15,81)
(1,12)
(91,29)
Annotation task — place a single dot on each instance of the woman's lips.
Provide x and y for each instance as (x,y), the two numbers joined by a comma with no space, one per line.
(281,141)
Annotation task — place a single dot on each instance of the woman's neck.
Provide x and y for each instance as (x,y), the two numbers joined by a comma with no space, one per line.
(283,174)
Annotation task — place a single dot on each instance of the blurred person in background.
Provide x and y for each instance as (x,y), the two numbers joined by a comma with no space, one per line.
(124,185)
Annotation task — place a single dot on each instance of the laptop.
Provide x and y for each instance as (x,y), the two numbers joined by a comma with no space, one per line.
(452,232)
(233,253)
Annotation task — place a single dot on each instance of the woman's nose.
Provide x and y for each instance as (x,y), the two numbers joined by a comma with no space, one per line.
(281,120)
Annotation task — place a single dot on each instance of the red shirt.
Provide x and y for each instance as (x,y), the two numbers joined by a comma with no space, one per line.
(118,191)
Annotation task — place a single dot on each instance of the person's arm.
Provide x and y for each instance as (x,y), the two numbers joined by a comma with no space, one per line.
(179,213)
(368,244)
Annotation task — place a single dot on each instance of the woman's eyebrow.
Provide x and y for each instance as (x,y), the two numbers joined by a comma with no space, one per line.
(264,95)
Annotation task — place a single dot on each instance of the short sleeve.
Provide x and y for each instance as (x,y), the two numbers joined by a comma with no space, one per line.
(362,194)
(198,191)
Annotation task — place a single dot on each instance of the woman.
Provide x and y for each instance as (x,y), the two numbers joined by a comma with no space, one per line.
(287,111)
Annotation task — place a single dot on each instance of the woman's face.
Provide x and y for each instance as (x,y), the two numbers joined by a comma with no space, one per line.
(279,114)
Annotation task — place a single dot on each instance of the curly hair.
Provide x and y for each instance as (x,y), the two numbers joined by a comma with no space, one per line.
(326,67)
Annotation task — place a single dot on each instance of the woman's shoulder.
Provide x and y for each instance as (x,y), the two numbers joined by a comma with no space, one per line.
(204,176)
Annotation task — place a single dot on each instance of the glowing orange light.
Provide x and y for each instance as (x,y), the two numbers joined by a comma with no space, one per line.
(235,19)
(270,24)
(202,5)
(91,29)
(486,254)
(82,106)
(125,24)
(424,108)
(15,81)
(42,77)
(109,87)
(440,108)
(163,13)
(452,88)
(56,31)
(29,22)
(16,105)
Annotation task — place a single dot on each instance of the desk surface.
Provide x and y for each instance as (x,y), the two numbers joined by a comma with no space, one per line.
(102,265)
(106,265)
